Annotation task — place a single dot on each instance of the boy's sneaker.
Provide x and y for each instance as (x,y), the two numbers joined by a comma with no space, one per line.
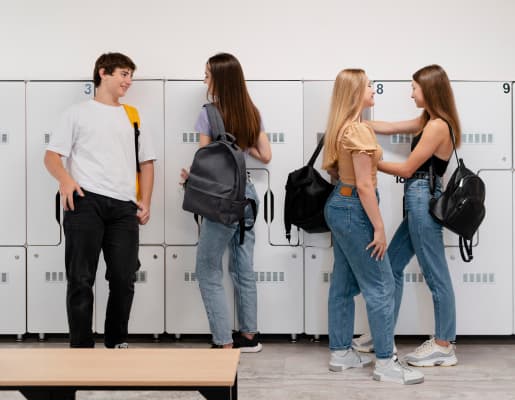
(430,354)
(393,370)
(123,345)
(345,359)
(246,345)
(365,344)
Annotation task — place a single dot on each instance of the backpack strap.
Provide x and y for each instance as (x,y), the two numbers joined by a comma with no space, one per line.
(243,227)
(466,245)
(315,154)
(215,121)
(132,113)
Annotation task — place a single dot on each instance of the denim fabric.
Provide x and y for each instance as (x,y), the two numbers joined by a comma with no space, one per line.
(356,271)
(421,235)
(100,223)
(213,240)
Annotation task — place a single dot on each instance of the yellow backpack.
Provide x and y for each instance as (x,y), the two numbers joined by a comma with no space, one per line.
(133,115)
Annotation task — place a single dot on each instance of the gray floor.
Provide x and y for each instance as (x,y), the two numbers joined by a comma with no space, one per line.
(284,370)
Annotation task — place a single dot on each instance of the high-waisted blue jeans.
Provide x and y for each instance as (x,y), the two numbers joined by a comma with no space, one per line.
(214,239)
(419,234)
(356,271)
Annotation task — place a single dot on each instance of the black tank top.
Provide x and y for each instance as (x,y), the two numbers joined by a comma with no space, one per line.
(439,165)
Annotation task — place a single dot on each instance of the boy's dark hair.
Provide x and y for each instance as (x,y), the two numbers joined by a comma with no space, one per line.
(111,61)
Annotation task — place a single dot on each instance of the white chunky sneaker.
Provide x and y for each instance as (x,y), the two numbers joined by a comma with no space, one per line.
(431,354)
(345,359)
(365,344)
(392,370)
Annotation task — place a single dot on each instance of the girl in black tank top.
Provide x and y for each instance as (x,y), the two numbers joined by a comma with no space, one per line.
(439,165)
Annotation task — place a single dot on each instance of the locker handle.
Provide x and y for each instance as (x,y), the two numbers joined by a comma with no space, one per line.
(58,207)
(267,195)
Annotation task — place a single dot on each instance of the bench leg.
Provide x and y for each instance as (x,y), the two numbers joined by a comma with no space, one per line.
(221,393)
(49,394)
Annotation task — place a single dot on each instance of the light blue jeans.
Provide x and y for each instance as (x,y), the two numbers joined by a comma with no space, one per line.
(214,239)
(356,271)
(419,234)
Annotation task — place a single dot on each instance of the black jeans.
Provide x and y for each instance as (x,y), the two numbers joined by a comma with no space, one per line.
(100,223)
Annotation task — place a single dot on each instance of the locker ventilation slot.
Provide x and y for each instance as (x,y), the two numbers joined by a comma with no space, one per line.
(326,277)
(478,138)
(47,138)
(269,276)
(400,138)
(413,277)
(190,137)
(141,276)
(4,138)
(479,277)
(190,277)
(4,277)
(275,137)
(54,276)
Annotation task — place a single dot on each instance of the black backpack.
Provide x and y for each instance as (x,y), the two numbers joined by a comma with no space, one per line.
(215,188)
(306,194)
(461,208)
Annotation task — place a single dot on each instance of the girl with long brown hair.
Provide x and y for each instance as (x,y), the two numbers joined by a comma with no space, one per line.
(419,234)
(227,90)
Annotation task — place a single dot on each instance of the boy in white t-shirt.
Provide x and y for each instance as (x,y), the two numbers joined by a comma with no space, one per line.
(98,193)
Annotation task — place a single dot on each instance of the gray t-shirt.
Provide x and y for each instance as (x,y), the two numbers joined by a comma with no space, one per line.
(202,125)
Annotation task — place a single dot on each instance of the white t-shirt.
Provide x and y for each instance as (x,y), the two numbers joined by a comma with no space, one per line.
(97,141)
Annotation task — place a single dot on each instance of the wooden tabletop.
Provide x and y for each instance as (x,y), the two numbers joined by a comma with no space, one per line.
(118,367)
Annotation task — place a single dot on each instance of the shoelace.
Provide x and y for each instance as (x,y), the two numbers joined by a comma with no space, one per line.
(428,344)
(403,366)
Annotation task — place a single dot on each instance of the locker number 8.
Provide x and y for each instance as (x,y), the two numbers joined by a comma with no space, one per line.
(379,88)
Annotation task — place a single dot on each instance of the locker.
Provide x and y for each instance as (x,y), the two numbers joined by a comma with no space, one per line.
(317,99)
(279,280)
(183,100)
(13,290)
(12,163)
(147,312)
(484,287)
(45,103)
(46,290)
(148,97)
(185,311)
(317,274)
(280,105)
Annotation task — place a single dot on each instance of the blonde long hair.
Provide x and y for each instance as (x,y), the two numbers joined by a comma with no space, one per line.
(346,102)
(438,97)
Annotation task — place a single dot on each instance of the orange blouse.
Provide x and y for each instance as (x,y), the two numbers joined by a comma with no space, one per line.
(357,137)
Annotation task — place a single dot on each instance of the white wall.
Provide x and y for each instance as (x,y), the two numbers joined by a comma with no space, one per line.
(274,39)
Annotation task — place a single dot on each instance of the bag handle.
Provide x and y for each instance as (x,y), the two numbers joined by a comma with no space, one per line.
(313,158)
(216,122)
(453,142)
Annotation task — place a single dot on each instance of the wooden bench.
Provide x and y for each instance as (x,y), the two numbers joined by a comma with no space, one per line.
(48,374)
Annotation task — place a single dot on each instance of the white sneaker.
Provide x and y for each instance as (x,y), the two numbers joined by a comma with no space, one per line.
(430,354)
(365,344)
(345,359)
(123,345)
(393,370)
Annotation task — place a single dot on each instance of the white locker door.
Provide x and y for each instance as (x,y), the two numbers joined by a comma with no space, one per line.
(317,101)
(318,269)
(12,163)
(185,313)
(484,287)
(148,98)
(183,100)
(46,290)
(147,312)
(45,103)
(12,291)
(486,136)
(280,105)
(280,284)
